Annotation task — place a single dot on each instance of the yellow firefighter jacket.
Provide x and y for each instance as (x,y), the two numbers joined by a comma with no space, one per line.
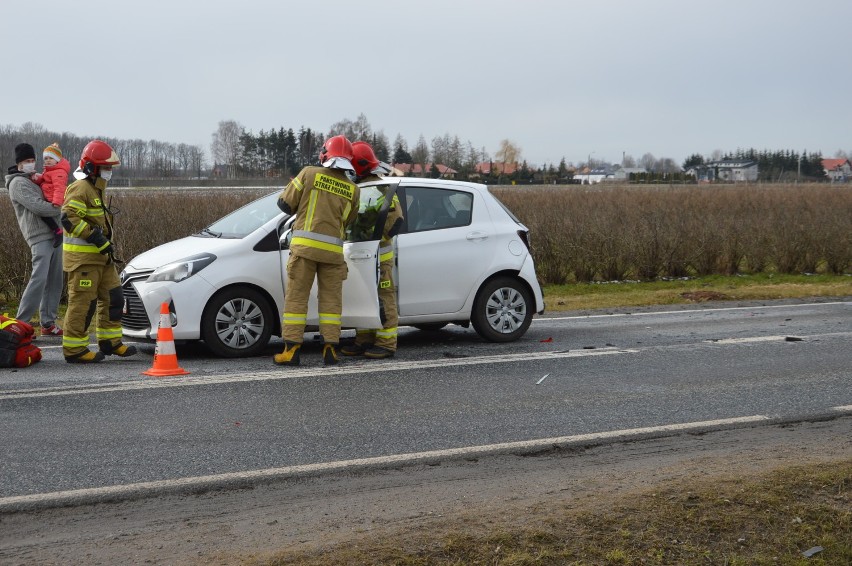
(82,211)
(324,201)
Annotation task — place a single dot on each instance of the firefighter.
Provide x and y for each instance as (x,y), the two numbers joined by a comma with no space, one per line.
(325,201)
(378,343)
(93,284)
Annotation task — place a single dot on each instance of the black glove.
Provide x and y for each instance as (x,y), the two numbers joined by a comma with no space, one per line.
(100,241)
(285,208)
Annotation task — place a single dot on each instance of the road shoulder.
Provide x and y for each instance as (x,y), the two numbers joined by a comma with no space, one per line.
(221,527)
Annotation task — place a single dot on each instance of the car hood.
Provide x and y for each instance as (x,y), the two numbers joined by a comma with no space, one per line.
(177,250)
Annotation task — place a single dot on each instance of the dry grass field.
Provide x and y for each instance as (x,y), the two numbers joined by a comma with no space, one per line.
(579,234)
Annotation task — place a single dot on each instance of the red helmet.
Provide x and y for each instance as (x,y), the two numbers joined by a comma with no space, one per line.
(363,158)
(97,154)
(337,146)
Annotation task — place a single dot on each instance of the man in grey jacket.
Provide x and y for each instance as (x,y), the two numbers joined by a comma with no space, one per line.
(45,286)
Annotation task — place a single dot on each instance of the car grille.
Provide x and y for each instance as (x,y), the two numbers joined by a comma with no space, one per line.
(133,316)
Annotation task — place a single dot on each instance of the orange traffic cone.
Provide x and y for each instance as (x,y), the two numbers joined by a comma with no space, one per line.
(165,356)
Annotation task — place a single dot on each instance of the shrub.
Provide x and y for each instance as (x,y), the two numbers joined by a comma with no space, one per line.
(610,232)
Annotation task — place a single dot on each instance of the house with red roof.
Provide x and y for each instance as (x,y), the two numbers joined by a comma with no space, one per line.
(418,170)
(496,168)
(837,170)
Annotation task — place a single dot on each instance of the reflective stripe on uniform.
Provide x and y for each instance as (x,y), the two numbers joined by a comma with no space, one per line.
(108,333)
(312,207)
(317,245)
(317,236)
(87,249)
(329,318)
(78,229)
(72,343)
(79,245)
(386,253)
(316,240)
(346,210)
(77,206)
(294,318)
(80,209)
(297,184)
(386,332)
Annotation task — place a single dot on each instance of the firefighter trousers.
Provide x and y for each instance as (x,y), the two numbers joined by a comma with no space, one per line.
(300,278)
(92,290)
(385,336)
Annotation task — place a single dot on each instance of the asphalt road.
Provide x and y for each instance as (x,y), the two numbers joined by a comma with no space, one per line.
(91,429)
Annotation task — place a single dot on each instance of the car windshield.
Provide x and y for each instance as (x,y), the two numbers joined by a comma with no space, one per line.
(245,220)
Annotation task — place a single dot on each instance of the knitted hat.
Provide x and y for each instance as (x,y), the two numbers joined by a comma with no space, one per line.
(23,151)
(52,151)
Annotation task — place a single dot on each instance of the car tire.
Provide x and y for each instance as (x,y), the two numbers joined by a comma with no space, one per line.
(430,326)
(503,310)
(237,323)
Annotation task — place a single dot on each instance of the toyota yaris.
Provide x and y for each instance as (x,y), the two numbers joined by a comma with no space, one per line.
(462,257)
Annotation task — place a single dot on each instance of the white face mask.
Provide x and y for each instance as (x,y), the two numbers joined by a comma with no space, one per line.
(106,175)
(28,168)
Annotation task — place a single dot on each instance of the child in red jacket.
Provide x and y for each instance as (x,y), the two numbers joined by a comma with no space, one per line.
(53,181)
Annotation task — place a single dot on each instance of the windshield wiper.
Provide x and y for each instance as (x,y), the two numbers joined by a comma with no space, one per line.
(210,232)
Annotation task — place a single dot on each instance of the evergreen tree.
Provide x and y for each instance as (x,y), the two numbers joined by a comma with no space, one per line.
(692,161)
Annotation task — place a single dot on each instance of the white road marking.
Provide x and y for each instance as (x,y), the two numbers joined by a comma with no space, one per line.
(157,487)
(292,373)
(843,409)
(692,311)
(748,340)
(364,367)
(542,379)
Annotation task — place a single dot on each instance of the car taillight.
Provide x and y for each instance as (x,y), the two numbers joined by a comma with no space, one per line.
(524,235)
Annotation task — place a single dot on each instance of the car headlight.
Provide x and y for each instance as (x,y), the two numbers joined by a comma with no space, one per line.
(183,269)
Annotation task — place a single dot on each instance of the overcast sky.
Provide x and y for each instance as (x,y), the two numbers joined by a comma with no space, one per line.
(559,78)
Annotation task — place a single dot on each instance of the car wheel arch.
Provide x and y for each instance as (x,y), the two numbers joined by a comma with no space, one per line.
(242,287)
(511,273)
(481,327)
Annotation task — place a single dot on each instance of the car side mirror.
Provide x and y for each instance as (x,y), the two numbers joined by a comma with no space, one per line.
(285,239)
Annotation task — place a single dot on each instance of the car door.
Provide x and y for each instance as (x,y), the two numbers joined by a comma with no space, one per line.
(444,250)
(360,300)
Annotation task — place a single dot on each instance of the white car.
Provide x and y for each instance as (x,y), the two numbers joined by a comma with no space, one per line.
(461,257)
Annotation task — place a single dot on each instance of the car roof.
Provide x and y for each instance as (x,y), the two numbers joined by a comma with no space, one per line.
(427,182)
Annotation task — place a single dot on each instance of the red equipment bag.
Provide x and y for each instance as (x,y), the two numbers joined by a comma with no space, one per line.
(16,343)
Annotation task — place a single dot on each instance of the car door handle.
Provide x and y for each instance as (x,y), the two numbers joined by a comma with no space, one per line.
(361,255)
(477,236)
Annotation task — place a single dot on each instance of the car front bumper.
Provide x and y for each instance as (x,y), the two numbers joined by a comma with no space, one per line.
(143,302)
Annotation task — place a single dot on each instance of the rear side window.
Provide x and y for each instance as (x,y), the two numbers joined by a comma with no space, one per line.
(434,209)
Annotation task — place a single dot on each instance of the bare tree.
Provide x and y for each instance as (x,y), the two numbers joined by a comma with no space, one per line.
(420,153)
(648,161)
(667,165)
(509,152)
(226,145)
(354,131)
(441,148)
(196,159)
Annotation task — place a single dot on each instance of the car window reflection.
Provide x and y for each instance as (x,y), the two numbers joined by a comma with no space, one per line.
(434,209)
